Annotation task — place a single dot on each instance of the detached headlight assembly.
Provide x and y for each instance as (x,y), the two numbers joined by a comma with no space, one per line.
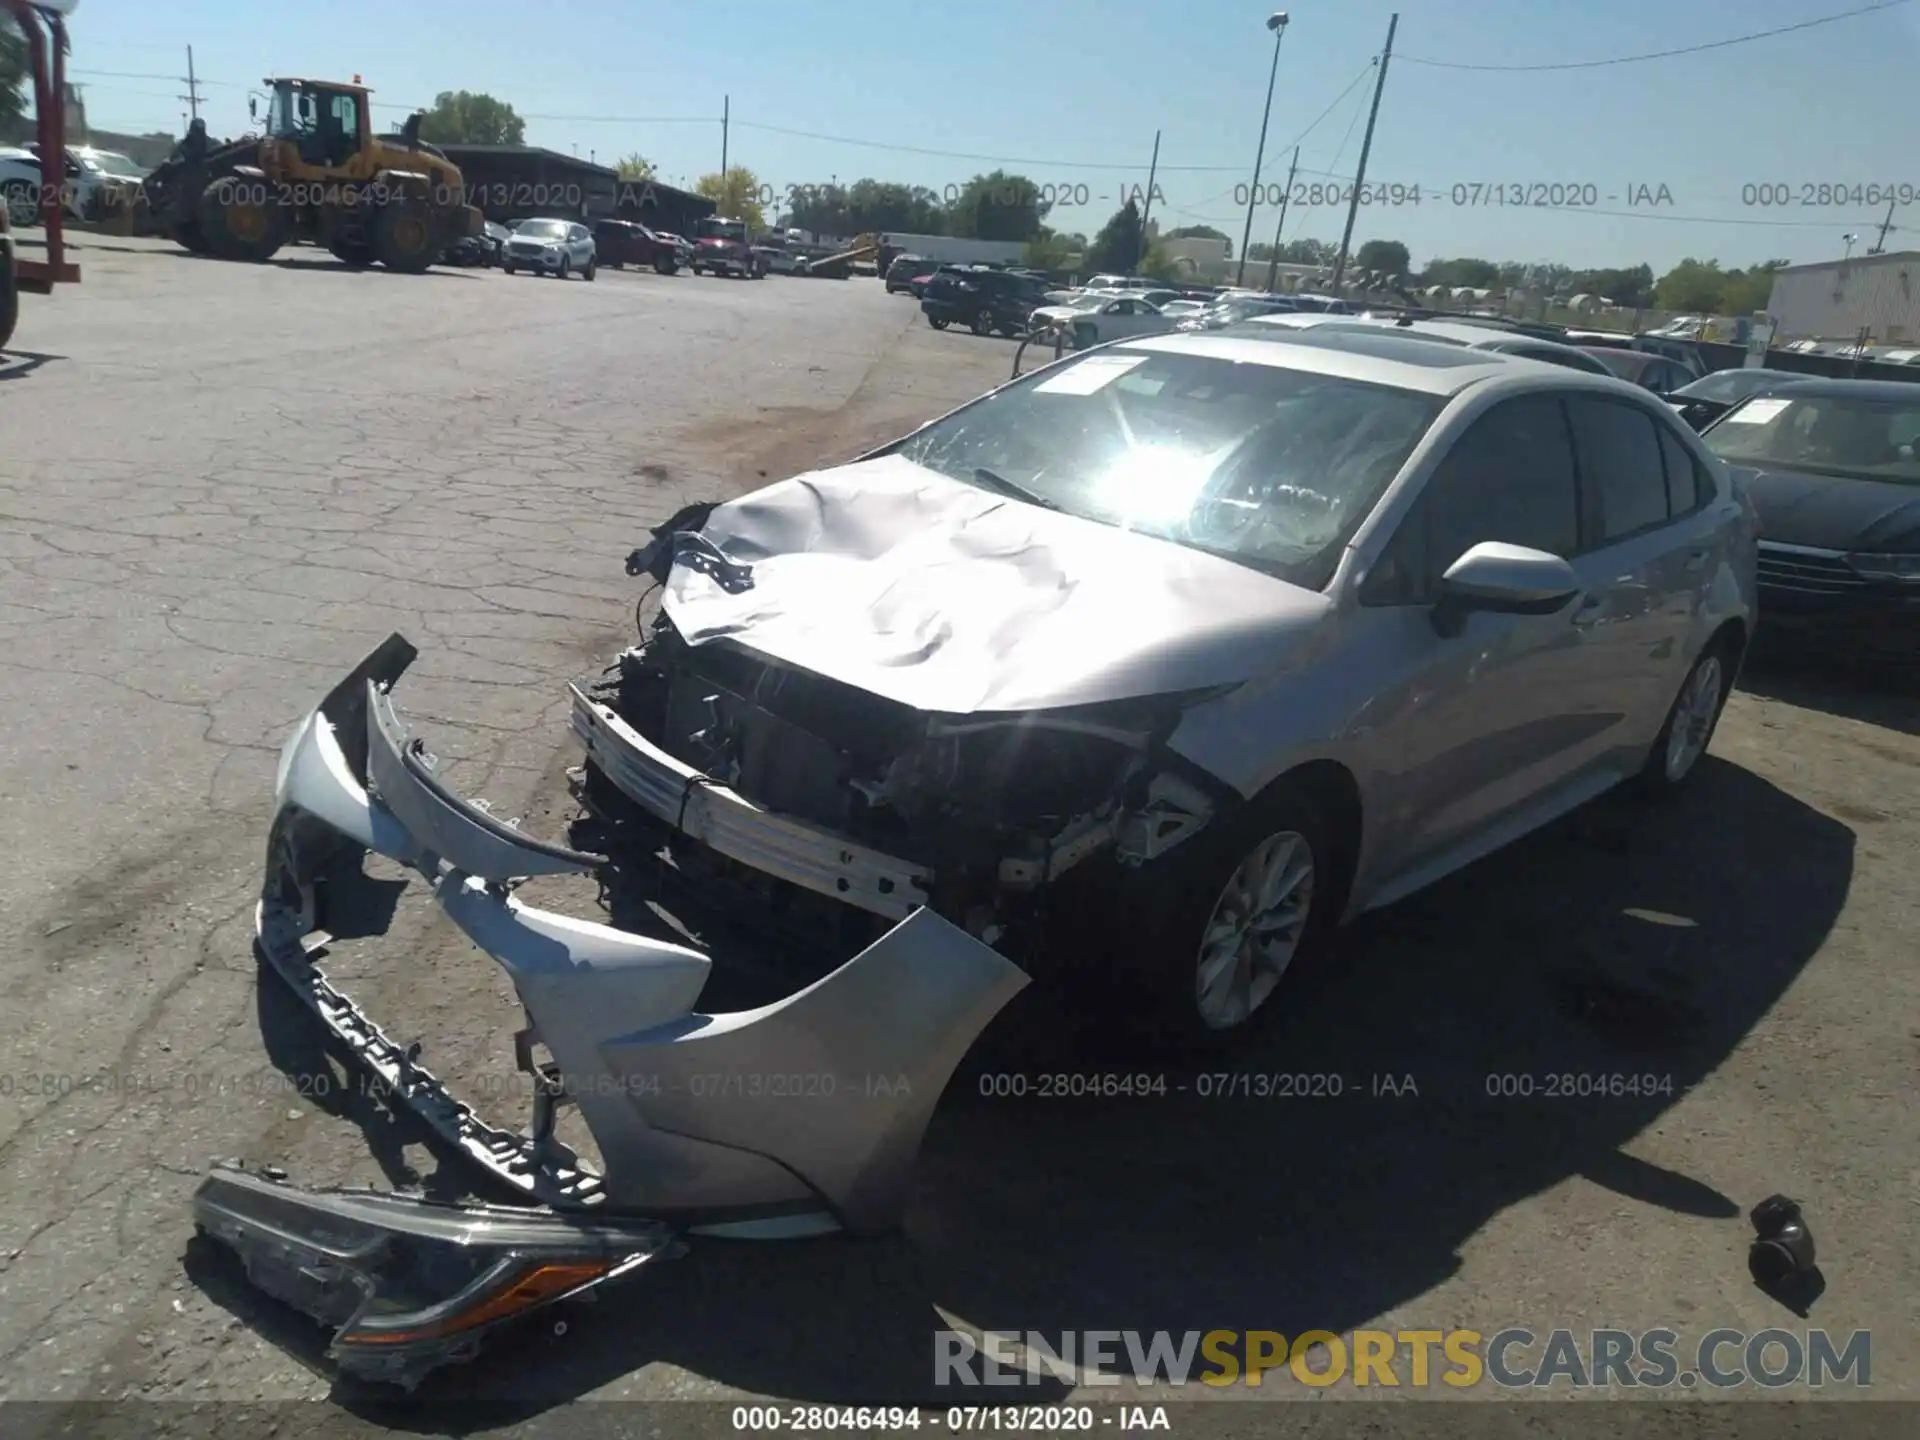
(406,1284)
(1886,567)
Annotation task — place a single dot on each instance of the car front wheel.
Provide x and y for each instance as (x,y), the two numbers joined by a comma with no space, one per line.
(1211,930)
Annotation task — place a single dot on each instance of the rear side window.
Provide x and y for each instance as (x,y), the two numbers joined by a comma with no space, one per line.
(1688,486)
(1620,463)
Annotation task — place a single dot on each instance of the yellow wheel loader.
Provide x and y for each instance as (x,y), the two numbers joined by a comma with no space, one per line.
(318,173)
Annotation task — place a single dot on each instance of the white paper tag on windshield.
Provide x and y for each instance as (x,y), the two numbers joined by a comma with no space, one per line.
(1086,377)
(1757,412)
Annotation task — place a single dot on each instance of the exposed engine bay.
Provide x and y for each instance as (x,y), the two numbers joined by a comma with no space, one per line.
(989,809)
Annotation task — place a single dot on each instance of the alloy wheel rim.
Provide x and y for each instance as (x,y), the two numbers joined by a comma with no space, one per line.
(1254,930)
(1693,717)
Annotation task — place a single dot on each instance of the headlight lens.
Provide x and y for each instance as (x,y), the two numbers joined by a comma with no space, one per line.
(1886,567)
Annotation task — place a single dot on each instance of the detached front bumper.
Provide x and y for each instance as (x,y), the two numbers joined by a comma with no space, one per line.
(801,1116)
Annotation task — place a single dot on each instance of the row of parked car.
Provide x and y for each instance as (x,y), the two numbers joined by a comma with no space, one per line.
(569,247)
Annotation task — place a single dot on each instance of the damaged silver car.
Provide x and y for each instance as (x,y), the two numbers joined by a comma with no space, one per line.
(1151,668)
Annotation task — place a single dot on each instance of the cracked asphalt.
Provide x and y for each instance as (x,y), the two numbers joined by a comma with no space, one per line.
(220,486)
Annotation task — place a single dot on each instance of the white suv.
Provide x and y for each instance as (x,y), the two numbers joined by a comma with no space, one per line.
(550,247)
(87,170)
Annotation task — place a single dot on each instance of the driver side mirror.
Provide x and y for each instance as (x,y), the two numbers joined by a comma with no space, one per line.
(1502,579)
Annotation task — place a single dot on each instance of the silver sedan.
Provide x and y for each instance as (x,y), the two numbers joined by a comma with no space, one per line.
(1155,666)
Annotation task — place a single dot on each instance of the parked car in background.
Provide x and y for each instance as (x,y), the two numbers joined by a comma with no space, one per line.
(550,247)
(1833,468)
(1235,308)
(779,261)
(904,270)
(682,247)
(1258,592)
(1704,401)
(1095,319)
(1643,368)
(620,243)
(86,176)
(485,246)
(1471,337)
(722,246)
(1680,352)
(985,301)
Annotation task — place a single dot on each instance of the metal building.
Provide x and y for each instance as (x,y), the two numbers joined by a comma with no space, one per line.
(1838,299)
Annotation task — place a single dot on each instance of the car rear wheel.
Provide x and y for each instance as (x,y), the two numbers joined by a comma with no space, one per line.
(506,267)
(982,323)
(938,322)
(1690,723)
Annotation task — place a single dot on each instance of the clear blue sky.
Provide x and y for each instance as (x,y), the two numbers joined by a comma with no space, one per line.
(1070,93)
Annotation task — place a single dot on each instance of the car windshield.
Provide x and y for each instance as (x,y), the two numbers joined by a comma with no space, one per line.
(1723,387)
(1867,438)
(542,229)
(110,162)
(1271,467)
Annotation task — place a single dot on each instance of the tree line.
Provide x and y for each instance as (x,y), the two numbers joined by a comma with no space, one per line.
(1000,205)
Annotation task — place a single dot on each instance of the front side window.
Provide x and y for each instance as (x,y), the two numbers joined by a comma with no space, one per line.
(1620,462)
(1509,478)
(1271,467)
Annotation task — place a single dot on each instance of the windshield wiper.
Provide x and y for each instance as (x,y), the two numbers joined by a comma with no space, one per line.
(994,480)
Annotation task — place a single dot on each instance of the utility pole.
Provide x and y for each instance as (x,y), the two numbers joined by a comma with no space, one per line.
(192,97)
(726,120)
(1146,210)
(1273,259)
(1880,245)
(1366,147)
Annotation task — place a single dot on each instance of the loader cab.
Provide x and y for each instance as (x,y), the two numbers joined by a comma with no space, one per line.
(327,124)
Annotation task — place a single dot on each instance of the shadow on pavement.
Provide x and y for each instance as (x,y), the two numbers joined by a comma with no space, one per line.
(18,364)
(1626,940)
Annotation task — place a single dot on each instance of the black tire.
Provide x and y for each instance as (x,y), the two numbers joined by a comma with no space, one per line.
(695,269)
(982,323)
(565,271)
(403,238)
(356,253)
(664,267)
(616,264)
(241,220)
(1669,766)
(593,267)
(505,268)
(1154,951)
(187,235)
(938,322)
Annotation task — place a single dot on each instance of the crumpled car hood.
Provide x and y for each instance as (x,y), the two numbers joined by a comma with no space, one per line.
(948,598)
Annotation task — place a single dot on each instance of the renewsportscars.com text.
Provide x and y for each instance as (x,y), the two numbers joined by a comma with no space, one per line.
(1512,1358)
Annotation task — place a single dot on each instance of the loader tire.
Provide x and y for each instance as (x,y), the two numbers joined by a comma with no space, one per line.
(187,235)
(240,220)
(403,237)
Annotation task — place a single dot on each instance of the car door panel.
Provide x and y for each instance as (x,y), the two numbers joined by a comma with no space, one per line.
(1639,592)
(1468,729)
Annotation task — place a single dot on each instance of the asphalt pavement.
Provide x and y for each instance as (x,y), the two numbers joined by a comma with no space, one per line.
(221,485)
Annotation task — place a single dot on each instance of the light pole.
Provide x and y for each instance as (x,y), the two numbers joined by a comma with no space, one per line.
(1852,240)
(1277,23)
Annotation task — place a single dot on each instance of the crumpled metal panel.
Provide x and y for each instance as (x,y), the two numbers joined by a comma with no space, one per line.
(939,595)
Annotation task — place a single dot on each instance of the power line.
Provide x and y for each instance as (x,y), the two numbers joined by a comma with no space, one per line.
(1661,54)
